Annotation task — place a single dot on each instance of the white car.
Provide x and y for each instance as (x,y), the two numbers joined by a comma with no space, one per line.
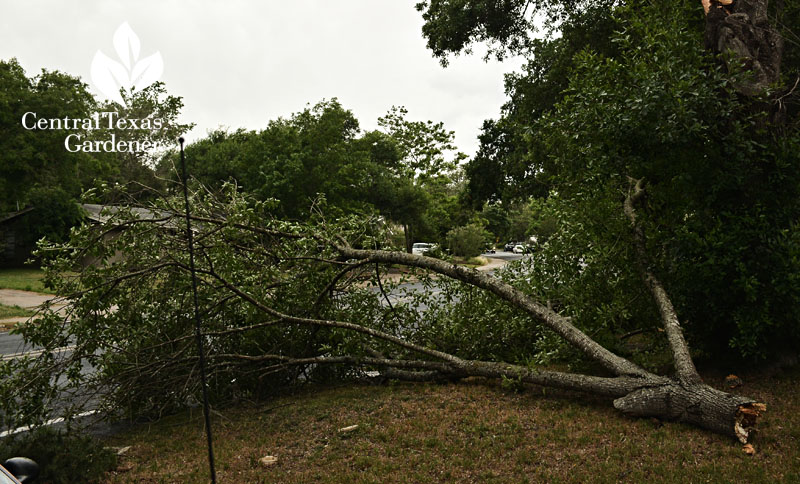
(519,249)
(421,248)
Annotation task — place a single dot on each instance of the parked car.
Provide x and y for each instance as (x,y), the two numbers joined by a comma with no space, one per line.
(421,248)
(18,470)
(509,247)
(519,249)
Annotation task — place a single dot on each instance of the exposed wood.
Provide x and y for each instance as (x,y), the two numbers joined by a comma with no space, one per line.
(695,404)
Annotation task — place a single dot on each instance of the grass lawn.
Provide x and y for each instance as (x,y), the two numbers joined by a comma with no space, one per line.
(471,432)
(472,262)
(23,279)
(14,311)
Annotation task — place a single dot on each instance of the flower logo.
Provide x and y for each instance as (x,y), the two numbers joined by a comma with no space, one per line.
(109,75)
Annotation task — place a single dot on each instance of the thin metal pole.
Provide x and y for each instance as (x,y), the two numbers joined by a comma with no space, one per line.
(197,332)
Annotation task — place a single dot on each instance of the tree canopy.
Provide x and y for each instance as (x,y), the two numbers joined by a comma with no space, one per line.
(38,167)
(35,157)
(630,89)
(402,171)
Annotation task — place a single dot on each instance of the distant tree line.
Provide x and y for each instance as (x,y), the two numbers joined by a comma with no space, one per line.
(409,172)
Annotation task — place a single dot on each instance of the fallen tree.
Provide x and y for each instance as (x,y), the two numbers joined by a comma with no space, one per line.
(284,302)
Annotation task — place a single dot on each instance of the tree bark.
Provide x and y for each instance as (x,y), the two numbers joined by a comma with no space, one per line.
(696,404)
(654,396)
(741,29)
(408,236)
(558,323)
(684,365)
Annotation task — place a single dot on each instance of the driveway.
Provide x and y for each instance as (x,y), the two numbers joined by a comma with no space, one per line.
(24,299)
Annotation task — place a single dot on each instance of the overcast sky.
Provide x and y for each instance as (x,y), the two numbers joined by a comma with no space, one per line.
(242,63)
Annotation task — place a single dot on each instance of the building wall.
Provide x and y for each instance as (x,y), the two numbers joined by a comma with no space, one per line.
(15,248)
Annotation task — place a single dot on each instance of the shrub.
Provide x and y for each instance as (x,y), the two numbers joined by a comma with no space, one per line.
(468,240)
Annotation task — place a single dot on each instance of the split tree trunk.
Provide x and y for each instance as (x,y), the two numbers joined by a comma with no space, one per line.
(654,396)
(696,404)
(740,28)
(638,392)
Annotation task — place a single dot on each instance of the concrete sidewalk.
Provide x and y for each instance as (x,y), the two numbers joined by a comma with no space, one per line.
(24,299)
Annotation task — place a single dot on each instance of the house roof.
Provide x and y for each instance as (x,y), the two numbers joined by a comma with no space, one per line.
(12,215)
(103,213)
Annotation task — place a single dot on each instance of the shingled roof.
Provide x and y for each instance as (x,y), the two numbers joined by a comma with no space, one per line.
(103,213)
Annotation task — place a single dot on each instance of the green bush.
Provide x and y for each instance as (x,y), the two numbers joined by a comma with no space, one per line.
(54,214)
(468,240)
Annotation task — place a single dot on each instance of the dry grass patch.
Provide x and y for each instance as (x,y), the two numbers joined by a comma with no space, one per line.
(469,432)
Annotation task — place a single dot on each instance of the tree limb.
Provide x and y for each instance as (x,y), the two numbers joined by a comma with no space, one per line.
(548,317)
(680,349)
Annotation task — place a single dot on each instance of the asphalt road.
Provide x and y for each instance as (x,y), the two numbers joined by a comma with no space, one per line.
(11,344)
(404,292)
(506,256)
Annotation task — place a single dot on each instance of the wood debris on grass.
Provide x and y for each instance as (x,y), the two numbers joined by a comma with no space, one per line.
(268,460)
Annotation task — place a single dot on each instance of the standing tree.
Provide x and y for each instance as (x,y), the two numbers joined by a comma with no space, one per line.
(427,156)
(314,153)
(698,102)
(148,116)
(35,157)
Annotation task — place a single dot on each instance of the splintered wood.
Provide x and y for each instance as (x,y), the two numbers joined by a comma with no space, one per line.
(746,418)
